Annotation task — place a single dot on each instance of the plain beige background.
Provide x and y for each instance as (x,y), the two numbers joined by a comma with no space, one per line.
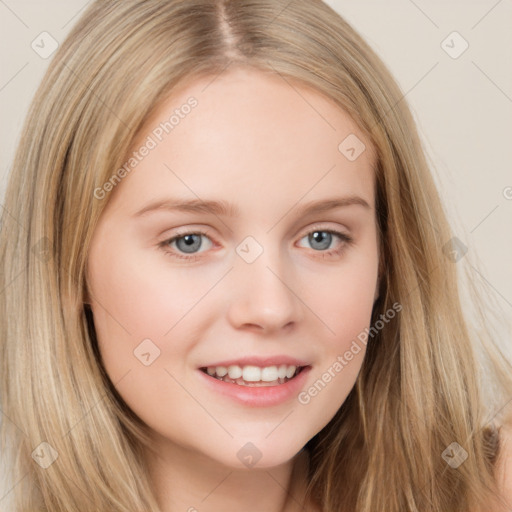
(462,103)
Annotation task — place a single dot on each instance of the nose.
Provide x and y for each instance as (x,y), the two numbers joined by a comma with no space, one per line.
(263,295)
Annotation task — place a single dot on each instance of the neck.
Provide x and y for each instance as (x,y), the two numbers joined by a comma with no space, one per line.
(187,480)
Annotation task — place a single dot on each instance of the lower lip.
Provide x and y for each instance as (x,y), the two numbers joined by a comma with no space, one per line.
(263,396)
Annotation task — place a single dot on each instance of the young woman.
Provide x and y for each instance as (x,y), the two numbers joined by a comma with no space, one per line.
(225,281)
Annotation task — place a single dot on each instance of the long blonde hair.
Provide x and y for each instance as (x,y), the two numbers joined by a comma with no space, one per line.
(420,387)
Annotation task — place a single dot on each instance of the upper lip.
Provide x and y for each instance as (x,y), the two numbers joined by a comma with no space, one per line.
(260,361)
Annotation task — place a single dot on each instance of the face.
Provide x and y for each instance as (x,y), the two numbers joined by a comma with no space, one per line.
(265,281)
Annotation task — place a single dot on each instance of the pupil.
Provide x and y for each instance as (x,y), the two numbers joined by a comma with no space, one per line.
(191,244)
(319,236)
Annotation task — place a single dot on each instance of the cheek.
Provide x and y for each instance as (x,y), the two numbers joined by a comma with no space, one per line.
(137,294)
(142,318)
(345,309)
(343,297)
(335,375)
(148,315)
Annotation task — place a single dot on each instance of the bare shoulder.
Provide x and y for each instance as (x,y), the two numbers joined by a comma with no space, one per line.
(504,465)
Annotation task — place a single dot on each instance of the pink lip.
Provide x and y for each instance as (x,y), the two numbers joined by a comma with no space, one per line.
(264,396)
(260,361)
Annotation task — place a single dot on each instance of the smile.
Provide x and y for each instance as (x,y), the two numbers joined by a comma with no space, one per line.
(254,376)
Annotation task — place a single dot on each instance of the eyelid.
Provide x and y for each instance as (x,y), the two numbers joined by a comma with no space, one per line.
(321,226)
(182,231)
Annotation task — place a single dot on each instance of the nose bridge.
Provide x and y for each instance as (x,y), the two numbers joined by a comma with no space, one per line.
(262,291)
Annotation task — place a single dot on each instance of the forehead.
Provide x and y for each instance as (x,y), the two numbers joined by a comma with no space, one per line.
(251,134)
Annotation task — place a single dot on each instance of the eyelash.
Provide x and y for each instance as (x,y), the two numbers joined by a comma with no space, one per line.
(345,239)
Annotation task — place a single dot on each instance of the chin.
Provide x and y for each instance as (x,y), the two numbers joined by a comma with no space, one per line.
(260,453)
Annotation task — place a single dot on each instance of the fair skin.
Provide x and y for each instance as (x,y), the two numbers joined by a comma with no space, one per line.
(257,143)
(504,465)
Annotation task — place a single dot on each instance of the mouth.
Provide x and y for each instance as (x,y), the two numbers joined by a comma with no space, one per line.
(254,376)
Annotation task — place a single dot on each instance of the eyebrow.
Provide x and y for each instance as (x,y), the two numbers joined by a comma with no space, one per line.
(230,210)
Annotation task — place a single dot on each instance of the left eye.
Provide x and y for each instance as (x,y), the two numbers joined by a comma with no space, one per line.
(188,244)
(318,237)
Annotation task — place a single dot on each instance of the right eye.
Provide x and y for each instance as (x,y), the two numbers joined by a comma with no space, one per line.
(185,242)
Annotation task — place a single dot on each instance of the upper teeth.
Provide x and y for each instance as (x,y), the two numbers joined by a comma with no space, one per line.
(253,373)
